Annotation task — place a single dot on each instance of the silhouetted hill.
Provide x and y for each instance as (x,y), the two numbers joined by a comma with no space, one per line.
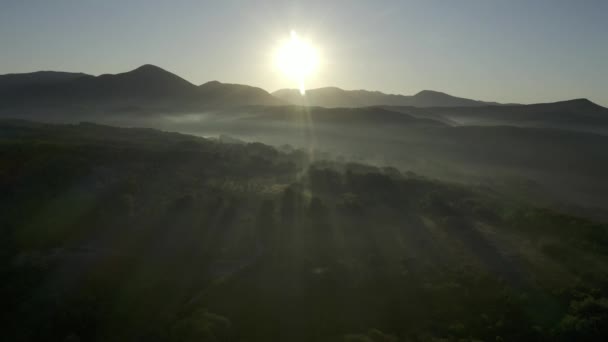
(226,93)
(150,89)
(571,114)
(336,97)
(368,117)
(147,82)
(147,87)
(37,78)
(429,98)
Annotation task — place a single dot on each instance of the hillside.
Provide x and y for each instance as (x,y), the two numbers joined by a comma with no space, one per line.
(16,81)
(147,87)
(336,97)
(226,94)
(515,159)
(573,114)
(366,117)
(135,234)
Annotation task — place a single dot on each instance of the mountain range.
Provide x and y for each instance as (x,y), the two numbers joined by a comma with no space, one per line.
(150,88)
(336,97)
(145,87)
(570,114)
(150,85)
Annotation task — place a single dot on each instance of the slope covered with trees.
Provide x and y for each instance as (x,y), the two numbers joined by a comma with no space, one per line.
(114,234)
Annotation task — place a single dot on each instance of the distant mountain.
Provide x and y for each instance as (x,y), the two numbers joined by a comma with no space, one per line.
(152,89)
(147,82)
(572,114)
(344,117)
(225,93)
(145,87)
(336,97)
(37,78)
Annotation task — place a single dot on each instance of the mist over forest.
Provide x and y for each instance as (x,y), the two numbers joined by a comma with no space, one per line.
(303,171)
(142,207)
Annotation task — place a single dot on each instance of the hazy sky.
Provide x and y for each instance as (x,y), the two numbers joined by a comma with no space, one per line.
(509,51)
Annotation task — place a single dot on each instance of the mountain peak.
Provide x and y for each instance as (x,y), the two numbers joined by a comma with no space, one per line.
(148,68)
(150,76)
(583,100)
(225,93)
(211,83)
(581,103)
(427,92)
(336,97)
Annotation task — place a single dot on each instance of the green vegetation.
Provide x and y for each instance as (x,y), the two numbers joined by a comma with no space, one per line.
(113,234)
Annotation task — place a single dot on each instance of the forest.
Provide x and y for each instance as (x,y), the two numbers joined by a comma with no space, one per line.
(116,234)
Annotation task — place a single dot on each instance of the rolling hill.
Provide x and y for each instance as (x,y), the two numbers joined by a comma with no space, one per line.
(336,97)
(148,87)
(226,94)
(577,114)
(123,234)
(15,81)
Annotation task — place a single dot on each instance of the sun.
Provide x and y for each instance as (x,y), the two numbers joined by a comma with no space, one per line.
(297,59)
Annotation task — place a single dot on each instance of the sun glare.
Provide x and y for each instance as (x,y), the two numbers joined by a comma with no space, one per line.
(297,59)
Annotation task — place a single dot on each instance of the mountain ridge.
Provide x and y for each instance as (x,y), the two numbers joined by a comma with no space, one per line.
(575,114)
(149,86)
(337,97)
(38,77)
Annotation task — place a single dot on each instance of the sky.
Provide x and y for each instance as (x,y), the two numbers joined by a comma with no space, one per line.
(522,51)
